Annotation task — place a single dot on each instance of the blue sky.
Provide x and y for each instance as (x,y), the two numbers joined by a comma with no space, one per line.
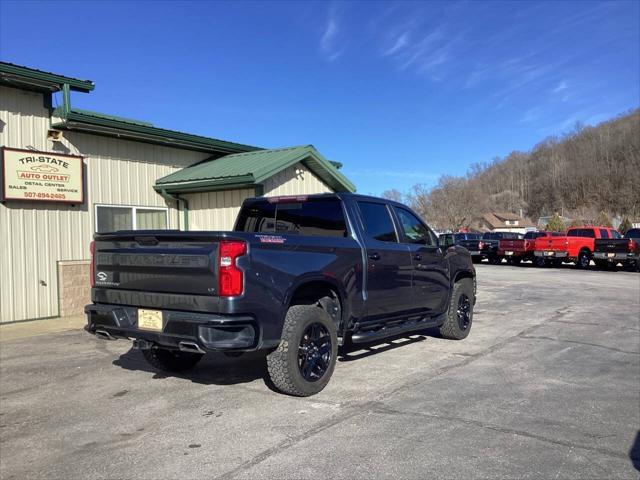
(401,93)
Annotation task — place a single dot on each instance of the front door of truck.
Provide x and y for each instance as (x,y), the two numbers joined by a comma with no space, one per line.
(389,267)
(430,271)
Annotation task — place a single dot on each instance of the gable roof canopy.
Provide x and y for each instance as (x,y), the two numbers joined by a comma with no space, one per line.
(243,170)
(33,79)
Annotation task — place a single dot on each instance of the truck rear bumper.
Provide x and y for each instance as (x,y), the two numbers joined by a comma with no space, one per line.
(618,257)
(210,332)
(551,254)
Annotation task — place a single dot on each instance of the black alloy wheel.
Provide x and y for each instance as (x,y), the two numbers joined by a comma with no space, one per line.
(314,352)
(464,312)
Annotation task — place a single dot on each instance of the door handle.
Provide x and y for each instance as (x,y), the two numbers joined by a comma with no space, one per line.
(374,256)
(418,257)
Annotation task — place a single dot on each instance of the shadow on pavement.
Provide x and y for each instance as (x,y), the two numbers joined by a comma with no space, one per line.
(213,369)
(634,453)
(217,369)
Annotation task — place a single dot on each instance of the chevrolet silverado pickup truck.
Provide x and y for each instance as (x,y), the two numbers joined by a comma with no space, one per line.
(617,249)
(521,250)
(297,277)
(487,246)
(577,246)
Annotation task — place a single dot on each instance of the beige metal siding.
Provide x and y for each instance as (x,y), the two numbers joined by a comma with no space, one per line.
(288,182)
(36,235)
(215,210)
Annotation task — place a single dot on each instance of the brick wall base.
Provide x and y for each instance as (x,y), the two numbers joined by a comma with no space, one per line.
(74,286)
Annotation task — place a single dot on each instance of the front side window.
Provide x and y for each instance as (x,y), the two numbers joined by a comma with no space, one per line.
(414,230)
(111,218)
(377,221)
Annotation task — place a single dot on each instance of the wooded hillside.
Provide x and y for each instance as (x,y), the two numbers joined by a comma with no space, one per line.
(579,174)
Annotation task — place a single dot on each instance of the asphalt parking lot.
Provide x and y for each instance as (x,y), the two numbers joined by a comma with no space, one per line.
(546,386)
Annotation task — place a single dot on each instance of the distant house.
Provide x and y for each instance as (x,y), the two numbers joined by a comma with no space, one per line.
(505,222)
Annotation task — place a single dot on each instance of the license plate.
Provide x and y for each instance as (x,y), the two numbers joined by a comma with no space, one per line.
(508,253)
(150,320)
(475,253)
(611,255)
(549,254)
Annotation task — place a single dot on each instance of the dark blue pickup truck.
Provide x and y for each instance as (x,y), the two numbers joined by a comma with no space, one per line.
(297,277)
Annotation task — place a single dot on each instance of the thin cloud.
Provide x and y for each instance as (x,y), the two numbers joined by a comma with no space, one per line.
(560,87)
(401,42)
(329,44)
(370,172)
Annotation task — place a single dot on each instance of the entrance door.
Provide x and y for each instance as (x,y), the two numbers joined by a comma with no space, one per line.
(389,267)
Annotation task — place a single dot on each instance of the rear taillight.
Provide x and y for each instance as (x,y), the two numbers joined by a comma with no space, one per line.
(92,268)
(632,245)
(230,277)
(480,245)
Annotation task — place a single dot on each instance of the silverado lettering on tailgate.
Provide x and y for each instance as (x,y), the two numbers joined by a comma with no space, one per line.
(152,260)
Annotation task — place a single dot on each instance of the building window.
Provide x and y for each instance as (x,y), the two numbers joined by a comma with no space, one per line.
(110,218)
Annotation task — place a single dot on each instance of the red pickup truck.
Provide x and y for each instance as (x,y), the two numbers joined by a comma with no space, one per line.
(519,250)
(577,246)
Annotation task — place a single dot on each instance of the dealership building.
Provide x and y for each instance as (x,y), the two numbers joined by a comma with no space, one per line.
(67,173)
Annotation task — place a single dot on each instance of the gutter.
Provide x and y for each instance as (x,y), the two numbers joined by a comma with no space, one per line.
(185,205)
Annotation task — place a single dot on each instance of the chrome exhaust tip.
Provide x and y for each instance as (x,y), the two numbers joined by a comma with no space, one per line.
(105,335)
(190,347)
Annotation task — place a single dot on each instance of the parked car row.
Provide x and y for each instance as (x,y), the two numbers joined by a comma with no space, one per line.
(605,246)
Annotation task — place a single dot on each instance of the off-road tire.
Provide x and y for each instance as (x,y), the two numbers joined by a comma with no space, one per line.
(451,327)
(282,363)
(476,259)
(171,360)
(515,261)
(494,260)
(540,262)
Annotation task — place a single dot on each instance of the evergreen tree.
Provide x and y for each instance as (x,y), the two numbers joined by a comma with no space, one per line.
(625,225)
(603,220)
(556,224)
(576,223)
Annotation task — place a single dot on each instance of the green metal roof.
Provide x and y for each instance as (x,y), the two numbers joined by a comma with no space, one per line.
(32,78)
(83,120)
(252,168)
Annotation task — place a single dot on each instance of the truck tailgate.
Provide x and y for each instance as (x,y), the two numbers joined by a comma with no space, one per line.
(516,246)
(612,245)
(552,243)
(164,262)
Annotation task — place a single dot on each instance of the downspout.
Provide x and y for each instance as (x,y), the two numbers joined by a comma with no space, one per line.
(185,204)
(66,100)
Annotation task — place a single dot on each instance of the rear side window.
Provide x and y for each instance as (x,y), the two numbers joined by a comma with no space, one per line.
(377,221)
(316,217)
(604,233)
(582,232)
(633,233)
(531,235)
(615,234)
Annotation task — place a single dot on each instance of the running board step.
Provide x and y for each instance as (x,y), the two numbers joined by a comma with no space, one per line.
(388,331)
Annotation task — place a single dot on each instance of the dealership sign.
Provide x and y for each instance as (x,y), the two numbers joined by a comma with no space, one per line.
(41,176)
